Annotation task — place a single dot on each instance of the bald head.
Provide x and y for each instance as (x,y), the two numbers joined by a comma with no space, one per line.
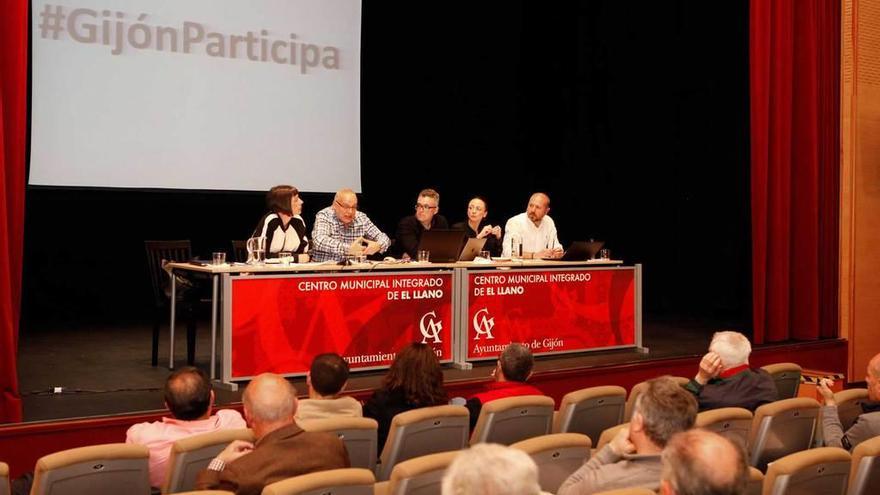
(269,398)
(345,205)
(539,205)
(701,462)
(872,378)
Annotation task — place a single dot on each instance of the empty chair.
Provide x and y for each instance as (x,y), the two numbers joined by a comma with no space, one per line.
(606,436)
(781,428)
(557,455)
(192,454)
(637,389)
(864,476)
(590,411)
(358,434)
(849,405)
(787,377)
(733,423)
(512,419)
(418,476)
(822,471)
(423,431)
(110,468)
(239,251)
(350,481)
(756,481)
(4,479)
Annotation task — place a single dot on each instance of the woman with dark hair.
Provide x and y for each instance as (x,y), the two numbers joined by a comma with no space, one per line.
(415,380)
(283,227)
(477,226)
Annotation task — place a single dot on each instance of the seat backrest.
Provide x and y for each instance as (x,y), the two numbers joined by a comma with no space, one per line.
(787,377)
(239,251)
(110,468)
(190,455)
(420,476)
(358,434)
(756,481)
(557,455)
(637,389)
(590,411)
(423,431)
(349,481)
(606,436)
(821,471)
(4,478)
(864,476)
(168,251)
(512,419)
(849,405)
(733,423)
(781,428)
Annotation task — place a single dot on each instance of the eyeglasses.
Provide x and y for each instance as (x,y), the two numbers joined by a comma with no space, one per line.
(420,206)
(353,207)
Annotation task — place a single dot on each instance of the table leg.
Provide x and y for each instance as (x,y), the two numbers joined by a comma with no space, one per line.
(214,278)
(173,317)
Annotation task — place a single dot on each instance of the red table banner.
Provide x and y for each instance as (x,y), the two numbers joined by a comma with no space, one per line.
(550,311)
(279,323)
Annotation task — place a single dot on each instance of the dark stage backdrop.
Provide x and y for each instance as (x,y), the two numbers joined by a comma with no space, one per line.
(632,116)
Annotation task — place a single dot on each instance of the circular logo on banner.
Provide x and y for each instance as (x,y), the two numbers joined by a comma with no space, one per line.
(483,326)
(430,328)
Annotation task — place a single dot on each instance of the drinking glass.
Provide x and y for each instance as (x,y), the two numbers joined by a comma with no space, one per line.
(605,254)
(424,255)
(219,257)
(486,255)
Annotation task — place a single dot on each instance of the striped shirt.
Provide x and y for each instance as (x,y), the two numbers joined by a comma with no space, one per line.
(331,238)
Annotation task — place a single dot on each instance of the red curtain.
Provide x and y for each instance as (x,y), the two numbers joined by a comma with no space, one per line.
(13,123)
(794,57)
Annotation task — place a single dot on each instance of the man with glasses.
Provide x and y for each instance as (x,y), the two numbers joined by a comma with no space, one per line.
(409,230)
(341,231)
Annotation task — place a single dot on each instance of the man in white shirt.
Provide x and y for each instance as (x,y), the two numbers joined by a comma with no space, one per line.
(534,229)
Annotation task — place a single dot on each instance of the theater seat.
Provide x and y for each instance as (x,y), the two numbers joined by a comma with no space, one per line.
(787,377)
(733,423)
(4,479)
(350,481)
(557,455)
(110,468)
(358,434)
(864,476)
(756,481)
(419,476)
(637,389)
(609,435)
(590,411)
(512,419)
(192,454)
(849,405)
(821,471)
(781,428)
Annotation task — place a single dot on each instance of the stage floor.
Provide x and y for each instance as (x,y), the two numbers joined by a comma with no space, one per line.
(105,369)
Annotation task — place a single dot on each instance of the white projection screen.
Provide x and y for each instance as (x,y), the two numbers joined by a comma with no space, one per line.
(196,94)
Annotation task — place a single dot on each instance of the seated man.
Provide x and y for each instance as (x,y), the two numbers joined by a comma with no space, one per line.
(342,231)
(513,368)
(867,425)
(534,229)
(491,469)
(699,462)
(327,377)
(190,399)
(632,458)
(725,378)
(282,449)
(409,230)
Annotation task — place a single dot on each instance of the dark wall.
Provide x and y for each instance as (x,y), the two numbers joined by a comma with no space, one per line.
(633,117)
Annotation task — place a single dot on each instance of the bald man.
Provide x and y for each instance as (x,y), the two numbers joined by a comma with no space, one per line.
(341,231)
(700,462)
(282,449)
(867,425)
(534,229)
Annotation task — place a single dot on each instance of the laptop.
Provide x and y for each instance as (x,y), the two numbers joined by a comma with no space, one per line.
(471,249)
(582,250)
(444,245)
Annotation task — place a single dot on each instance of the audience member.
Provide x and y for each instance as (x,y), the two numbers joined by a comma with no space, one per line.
(283,227)
(327,377)
(282,449)
(342,231)
(414,380)
(534,229)
(867,425)
(477,226)
(632,458)
(491,469)
(190,400)
(725,378)
(511,371)
(701,462)
(410,228)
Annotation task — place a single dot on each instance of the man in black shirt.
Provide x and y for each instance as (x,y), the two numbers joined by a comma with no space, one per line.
(409,230)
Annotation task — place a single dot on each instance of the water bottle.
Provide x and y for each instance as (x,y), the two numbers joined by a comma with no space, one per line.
(515,246)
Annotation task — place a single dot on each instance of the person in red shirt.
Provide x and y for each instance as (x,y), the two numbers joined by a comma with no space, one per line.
(513,369)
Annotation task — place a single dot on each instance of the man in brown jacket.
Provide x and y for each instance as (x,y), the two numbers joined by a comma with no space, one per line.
(282,449)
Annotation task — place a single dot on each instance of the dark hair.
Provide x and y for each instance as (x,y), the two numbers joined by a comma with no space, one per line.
(516,362)
(416,372)
(667,409)
(481,198)
(328,373)
(188,393)
(278,199)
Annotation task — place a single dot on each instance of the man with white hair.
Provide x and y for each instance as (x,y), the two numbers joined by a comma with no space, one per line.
(341,231)
(282,449)
(725,378)
(866,426)
(701,462)
(491,469)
